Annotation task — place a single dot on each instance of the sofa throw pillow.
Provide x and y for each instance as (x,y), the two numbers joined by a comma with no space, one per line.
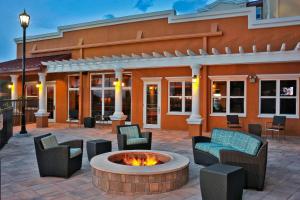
(49,142)
(130,131)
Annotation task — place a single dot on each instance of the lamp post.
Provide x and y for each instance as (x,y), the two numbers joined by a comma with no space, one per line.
(24,21)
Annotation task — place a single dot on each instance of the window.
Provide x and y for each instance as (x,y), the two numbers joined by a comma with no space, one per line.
(103,95)
(228,97)
(73,97)
(4,90)
(259,12)
(278,97)
(180,96)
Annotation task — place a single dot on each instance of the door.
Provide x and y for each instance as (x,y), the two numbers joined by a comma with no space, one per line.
(51,102)
(152,103)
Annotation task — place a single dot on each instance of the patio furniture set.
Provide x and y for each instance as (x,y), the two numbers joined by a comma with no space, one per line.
(233,159)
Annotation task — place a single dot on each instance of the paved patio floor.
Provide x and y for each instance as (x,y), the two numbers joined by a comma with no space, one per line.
(20,176)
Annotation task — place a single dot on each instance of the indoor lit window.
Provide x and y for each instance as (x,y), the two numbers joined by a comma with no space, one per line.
(73,99)
(278,97)
(180,97)
(228,97)
(32,95)
(4,89)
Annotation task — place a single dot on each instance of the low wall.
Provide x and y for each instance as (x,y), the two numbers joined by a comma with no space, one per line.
(6,125)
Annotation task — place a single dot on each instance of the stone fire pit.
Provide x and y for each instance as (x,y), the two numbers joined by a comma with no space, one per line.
(112,175)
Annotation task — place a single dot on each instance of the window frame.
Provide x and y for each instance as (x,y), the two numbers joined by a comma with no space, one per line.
(183,81)
(103,88)
(277,97)
(72,89)
(228,96)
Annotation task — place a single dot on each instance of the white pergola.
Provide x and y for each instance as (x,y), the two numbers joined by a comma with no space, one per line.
(177,59)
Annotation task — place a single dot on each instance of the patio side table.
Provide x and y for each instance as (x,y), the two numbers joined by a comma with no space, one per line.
(96,147)
(222,182)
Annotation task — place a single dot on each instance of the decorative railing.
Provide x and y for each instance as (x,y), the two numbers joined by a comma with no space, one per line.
(6,125)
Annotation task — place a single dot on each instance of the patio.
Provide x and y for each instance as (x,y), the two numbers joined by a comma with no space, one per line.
(20,176)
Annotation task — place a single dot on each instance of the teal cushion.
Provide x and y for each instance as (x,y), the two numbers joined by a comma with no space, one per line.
(216,150)
(221,136)
(49,142)
(75,152)
(137,141)
(205,146)
(130,131)
(245,143)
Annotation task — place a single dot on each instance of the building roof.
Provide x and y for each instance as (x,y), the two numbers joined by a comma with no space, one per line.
(32,64)
(224,5)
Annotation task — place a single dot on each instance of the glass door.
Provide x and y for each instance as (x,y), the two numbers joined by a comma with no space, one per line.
(51,102)
(151,114)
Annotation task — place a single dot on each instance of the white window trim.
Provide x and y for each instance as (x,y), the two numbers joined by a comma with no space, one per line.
(103,88)
(183,80)
(278,78)
(71,89)
(227,79)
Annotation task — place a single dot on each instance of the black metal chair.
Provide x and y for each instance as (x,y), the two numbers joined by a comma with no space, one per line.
(130,137)
(255,129)
(57,161)
(233,122)
(277,125)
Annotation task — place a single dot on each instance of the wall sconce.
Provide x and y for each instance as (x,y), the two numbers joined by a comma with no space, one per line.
(116,81)
(39,84)
(10,85)
(252,78)
(194,79)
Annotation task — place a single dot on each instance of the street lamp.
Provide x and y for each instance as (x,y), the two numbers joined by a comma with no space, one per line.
(24,21)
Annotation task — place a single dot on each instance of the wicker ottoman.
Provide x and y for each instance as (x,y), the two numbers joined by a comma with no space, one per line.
(96,147)
(222,182)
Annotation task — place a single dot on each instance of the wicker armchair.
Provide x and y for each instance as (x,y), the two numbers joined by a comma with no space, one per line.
(57,161)
(123,139)
(277,125)
(233,122)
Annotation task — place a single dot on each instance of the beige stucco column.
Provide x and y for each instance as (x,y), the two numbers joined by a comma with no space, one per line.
(42,114)
(195,119)
(14,87)
(118,118)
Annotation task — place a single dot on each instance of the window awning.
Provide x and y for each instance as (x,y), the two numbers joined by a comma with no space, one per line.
(167,59)
(32,64)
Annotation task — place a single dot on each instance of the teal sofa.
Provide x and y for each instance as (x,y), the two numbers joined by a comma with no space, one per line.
(235,148)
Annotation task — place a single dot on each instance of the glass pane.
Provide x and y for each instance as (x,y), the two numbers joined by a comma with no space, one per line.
(4,90)
(188,88)
(127,80)
(32,90)
(73,104)
(50,101)
(288,88)
(96,103)
(236,88)
(175,104)
(109,80)
(237,105)
(175,88)
(288,106)
(109,102)
(268,106)
(74,81)
(97,80)
(188,104)
(219,88)
(219,105)
(126,102)
(268,88)
(151,104)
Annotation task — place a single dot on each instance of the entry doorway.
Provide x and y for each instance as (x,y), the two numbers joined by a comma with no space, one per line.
(51,101)
(152,103)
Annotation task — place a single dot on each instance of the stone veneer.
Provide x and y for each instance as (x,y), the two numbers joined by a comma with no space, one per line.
(141,183)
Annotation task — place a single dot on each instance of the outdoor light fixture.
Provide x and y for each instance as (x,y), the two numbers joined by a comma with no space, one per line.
(39,84)
(252,78)
(116,81)
(24,22)
(194,79)
(10,85)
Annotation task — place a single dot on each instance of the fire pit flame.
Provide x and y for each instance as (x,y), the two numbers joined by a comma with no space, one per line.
(146,160)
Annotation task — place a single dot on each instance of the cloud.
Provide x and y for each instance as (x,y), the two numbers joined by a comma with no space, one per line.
(143,5)
(183,6)
(108,16)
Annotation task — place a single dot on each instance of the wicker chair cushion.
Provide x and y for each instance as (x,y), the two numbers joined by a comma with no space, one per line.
(75,152)
(237,140)
(137,141)
(49,142)
(130,131)
(205,146)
